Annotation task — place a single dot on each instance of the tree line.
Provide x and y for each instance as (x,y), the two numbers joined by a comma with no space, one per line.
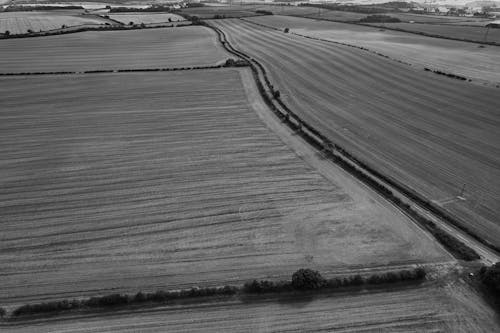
(302,280)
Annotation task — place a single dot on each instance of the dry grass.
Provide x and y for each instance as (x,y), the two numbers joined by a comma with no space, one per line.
(155,48)
(123,182)
(429,132)
(21,22)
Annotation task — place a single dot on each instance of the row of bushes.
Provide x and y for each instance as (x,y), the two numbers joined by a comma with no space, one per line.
(263,12)
(115,300)
(307,279)
(21,8)
(151,9)
(106,27)
(455,246)
(380,19)
(228,63)
(453,76)
(302,280)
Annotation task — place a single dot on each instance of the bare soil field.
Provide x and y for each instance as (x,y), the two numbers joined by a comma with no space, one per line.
(128,182)
(456,57)
(428,308)
(96,50)
(21,22)
(430,132)
(146,18)
(466,32)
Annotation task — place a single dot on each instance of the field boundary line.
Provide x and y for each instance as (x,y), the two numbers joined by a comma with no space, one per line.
(96,27)
(364,172)
(132,70)
(254,288)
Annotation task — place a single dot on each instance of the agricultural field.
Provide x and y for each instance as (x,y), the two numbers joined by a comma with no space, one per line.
(427,308)
(456,57)
(21,22)
(430,132)
(128,182)
(468,32)
(146,18)
(343,16)
(97,50)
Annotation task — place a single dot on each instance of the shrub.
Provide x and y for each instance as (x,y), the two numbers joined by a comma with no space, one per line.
(490,277)
(287,30)
(2,312)
(379,19)
(307,279)
(263,12)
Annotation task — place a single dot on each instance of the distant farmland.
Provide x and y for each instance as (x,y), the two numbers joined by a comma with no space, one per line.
(466,32)
(146,18)
(21,22)
(432,133)
(127,182)
(451,56)
(95,50)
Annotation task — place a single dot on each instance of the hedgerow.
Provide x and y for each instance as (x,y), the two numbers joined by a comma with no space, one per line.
(302,280)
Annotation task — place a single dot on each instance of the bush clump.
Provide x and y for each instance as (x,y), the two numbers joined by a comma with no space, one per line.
(490,277)
(263,12)
(236,63)
(379,19)
(307,279)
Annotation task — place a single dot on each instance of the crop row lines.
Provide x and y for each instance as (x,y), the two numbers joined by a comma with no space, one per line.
(373,178)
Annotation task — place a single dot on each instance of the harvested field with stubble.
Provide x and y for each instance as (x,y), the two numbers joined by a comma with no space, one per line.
(461,58)
(105,50)
(429,132)
(21,22)
(128,182)
(427,308)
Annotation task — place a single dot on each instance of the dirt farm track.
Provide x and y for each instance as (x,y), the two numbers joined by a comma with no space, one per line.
(407,123)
